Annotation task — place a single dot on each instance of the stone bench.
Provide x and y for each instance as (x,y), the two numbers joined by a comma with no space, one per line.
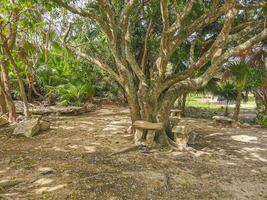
(174,120)
(149,127)
(176,113)
(181,136)
(223,120)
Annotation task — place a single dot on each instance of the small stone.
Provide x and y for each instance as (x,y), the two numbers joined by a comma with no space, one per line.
(3,121)
(46,170)
(44,125)
(245,125)
(43,181)
(222,119)
(28,127)
(8,183)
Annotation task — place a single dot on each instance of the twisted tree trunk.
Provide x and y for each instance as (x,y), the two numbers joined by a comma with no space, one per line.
(226,112)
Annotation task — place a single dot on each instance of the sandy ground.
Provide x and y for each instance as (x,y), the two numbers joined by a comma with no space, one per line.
(73,161)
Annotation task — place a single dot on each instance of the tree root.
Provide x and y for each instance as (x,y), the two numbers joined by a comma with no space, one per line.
(2,196)
(172,145)
(175,147)
(128,149)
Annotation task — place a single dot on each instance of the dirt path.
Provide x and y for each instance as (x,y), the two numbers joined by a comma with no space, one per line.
(72,161)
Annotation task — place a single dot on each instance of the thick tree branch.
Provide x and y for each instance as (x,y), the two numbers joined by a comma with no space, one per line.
(111,20)
(131,58)
(244,32)
(262,4)
(214,50)
(96,62)
(91,14)
(144,56)
(206,19)
(165,40)
(193,84)
(124,17)
(192,53)
(181,16)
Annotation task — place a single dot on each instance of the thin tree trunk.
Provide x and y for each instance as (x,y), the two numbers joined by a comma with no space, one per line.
(226,113)
(30,82)
(20,82)
(265,99)
(12,116)
(23,94)
(237,106)
(183,102)
(3,107)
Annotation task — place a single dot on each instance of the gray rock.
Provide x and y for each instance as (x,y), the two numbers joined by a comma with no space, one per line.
(3,121)
(222,119)
(28,127)
(46,170)
(5,184)
(245,125)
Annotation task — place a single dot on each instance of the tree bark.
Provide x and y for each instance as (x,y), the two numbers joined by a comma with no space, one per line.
(226,112)
(237,106)
(20,82)
(3,107)
(182,102)
(12,116)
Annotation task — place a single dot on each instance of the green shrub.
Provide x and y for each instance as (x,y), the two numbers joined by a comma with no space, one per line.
(262,121)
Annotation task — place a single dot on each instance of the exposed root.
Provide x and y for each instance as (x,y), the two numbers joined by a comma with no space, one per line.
(4,197)
(170,143)
(173,146)
(128,149)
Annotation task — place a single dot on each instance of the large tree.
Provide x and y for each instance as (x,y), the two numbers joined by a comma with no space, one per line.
(143,37)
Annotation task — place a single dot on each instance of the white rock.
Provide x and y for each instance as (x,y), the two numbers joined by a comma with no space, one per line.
(43,181)
(28,127)
(3,121)
(222,119)
(46,170)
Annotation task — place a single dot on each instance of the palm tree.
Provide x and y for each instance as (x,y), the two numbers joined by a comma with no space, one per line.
(240,72)
(226,89)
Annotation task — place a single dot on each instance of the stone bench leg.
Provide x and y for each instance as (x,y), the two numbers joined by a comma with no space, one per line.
(138,136)
(150,136)
(181,136)
(172,114)
(181,140)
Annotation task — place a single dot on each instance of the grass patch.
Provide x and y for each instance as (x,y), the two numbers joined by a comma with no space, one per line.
(197,102)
